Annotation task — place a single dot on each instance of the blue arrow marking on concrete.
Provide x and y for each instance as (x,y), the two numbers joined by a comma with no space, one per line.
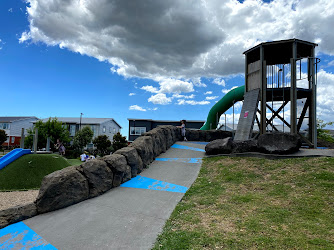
(186,147)
(185,160)
(20,236)
(148,183)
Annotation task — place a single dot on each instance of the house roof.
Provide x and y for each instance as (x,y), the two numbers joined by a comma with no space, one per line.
(15,118)
(84,120)
(134,119)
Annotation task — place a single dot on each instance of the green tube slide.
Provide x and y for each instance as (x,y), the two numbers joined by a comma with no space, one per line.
(224,104)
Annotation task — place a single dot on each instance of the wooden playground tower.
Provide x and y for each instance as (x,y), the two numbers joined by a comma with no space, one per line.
(281,74)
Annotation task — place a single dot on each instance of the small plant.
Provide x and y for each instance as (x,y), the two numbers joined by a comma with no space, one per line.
(323,133)
(3,137)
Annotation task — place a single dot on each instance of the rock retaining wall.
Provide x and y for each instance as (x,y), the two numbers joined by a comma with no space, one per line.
(77,183)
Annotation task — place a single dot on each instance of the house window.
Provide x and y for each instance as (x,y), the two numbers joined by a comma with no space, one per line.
(12,139)
(4,125)
(94,129)
(114,131)
(72,130)
(137,130)
(104,129)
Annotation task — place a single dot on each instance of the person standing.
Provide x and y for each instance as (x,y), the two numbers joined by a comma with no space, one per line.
(60,147)
(183,129)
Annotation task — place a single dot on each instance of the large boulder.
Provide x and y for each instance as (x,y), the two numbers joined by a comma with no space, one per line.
(16,214)
(244,146)
(133,160)
(144,147)
(192,134)
(219,146)
(169,135)
(99,176)
(61,189)
(279,143)
(119,166)
(212,135)
(159,142)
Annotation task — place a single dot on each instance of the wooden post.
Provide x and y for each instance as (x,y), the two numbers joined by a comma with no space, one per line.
(35,140)
(263,74)
(293,91)
(22,138)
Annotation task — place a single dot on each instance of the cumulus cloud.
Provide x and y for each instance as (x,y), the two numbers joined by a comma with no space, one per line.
(176,38)
(211,97)
(219,81)
(225,91)
(136,107)
(10,10)
(184,96)
(191,102)
(208,93)
(160,99)
(150,89)
(132,94)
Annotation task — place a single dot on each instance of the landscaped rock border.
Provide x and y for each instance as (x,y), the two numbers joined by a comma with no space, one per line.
(74,184)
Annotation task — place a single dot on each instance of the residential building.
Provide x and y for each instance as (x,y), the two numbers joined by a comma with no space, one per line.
(139,126)
(13,127)
(100,126)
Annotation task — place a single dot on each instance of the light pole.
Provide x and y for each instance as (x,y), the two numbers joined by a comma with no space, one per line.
(80,120)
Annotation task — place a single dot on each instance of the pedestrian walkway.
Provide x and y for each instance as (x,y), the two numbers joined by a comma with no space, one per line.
(128,217)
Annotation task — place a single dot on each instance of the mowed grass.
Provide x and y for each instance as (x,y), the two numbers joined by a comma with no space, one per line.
(250,203)
(28,171)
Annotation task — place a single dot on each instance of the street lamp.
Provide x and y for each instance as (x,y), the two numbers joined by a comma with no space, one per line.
(80,120)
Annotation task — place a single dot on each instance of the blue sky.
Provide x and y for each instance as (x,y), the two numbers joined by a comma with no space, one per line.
(163,61)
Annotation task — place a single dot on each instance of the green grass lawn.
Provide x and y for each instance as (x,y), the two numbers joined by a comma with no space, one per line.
(250,203)
(28,171)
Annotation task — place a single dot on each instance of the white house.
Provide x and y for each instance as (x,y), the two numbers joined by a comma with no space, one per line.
(13,127)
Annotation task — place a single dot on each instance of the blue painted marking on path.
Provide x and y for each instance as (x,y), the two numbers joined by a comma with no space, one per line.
(185,160)
(20,236)
(186,147)
(148,183)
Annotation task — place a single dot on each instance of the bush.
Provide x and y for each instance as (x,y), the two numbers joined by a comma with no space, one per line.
(103,144)
(119,142)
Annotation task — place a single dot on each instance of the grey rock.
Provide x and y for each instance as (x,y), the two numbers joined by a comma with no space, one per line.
(99,176)
(167,129)
(212,135)
(159,142)
(144,147)
(279,143)
(119,166)
(219,146)
(192,135)
(16,214)
(61,189)
(244,146)
(133,160)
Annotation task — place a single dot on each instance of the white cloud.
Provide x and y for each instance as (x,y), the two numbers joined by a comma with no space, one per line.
(150,89)
(191,102)
(208,93)
(132,94)
(211,97)
(160,99)
(158,46)
(225,91)
(325,94)
(11,10)
(136,107)
(219,81)
(184,96)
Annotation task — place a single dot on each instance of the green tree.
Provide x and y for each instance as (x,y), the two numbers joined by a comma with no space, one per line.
(323,133)
(3,136)
(119,142)
(103,144)
(51,128)
(82,138)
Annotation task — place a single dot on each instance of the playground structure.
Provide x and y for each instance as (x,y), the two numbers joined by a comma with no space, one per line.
(279,75)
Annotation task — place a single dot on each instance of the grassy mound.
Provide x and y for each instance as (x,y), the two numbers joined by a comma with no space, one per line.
(250,203)
(28,171)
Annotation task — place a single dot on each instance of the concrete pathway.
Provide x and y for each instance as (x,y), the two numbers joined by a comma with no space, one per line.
(127,217)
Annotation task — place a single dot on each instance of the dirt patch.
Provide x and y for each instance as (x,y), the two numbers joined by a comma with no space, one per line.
(16,198)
